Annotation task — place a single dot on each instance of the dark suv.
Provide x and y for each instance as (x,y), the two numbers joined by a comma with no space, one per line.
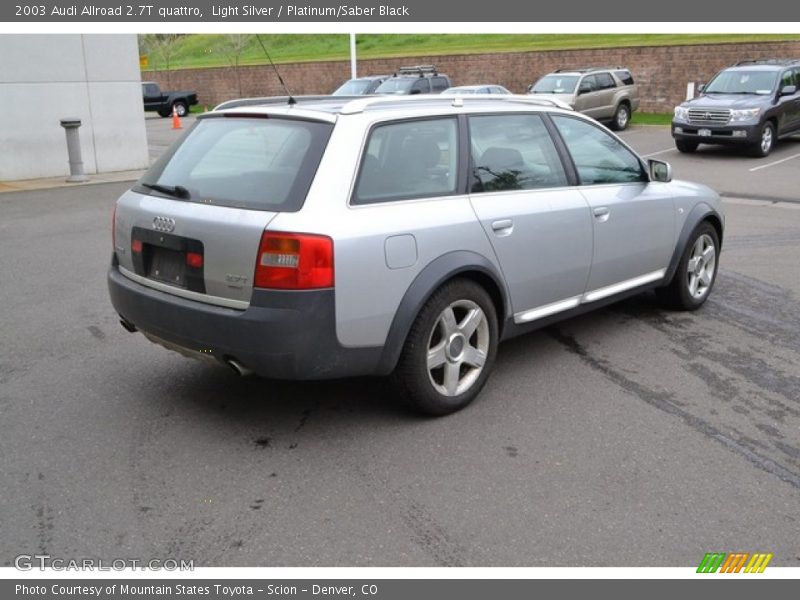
(751,104)
(421,79)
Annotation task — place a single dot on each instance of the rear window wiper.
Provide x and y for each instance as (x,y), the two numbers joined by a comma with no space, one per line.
(177,191)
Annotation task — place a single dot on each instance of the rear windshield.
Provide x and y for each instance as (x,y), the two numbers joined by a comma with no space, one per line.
(555,84)
(256,163)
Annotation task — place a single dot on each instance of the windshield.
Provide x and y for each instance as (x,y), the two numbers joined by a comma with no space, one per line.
(354,87)
(395,86)
(742,82)
(555,84)
(257,163)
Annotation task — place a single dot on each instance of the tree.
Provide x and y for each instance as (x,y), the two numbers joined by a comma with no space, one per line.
(232,46)
(160,46)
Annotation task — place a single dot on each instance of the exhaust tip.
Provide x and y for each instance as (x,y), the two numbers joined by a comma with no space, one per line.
(238,368)
(128,326)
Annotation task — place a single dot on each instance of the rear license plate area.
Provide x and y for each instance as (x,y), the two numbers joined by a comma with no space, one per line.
(162,257)
(168,266)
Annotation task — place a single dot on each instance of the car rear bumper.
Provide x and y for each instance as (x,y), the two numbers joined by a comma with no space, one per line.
(718,134)
(282,334)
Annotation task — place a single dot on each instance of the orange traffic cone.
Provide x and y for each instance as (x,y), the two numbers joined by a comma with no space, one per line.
(176,120)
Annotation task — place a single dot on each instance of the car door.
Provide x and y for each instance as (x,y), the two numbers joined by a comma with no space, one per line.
(540,228)
(586,99)
(633,218)
(789,119)
(152,95)
(606,89)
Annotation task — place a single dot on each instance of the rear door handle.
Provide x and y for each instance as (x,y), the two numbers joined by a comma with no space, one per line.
(503,227)
(601,213)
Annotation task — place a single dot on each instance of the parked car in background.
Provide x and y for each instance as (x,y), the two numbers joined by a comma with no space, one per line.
(402,255)
(606,94)
(420,79)
(360,86)
(157,100)
(751,104)
(477,89)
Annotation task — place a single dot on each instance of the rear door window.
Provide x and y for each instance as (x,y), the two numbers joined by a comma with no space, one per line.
(256,163)
(604,81)
(513,152)
(409,159)
(439,84)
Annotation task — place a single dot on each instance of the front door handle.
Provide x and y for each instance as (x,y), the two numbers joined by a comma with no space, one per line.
(503,227)
(601,213)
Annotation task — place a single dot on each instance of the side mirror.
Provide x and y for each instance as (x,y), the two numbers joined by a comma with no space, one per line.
(659,171)
(585,88)
(701,88)
(788,90)
(415,92)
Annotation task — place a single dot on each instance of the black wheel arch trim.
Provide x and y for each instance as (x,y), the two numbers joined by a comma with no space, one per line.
(431,278)
(701,212)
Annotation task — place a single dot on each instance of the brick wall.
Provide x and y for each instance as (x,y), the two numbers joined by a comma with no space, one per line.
(662,72)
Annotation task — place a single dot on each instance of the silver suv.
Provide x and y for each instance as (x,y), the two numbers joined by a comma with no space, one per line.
(607,94)
(398,236)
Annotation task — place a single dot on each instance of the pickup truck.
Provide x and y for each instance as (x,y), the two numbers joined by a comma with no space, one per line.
(156,100)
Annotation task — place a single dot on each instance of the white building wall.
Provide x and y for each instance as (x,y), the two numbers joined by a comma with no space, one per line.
(44,78)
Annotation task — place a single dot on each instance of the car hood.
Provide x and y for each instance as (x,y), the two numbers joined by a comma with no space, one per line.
(728,101)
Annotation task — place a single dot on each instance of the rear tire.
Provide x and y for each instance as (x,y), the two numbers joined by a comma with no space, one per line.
(164,113)
(622,117)
(181,109)
(686,146)
(449,351)
(696,273)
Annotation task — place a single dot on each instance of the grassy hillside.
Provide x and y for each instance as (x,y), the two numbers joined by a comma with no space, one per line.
(207,50)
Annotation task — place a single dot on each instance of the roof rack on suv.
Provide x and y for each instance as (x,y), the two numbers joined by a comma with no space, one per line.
(589,69)
(420,70)
(361,104)
(767,61)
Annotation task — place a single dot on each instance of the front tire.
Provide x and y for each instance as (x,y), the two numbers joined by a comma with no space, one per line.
(449,351)
(766,141)
(696,272)
(686,146)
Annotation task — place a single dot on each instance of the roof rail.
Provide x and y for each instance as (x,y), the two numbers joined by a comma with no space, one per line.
(765,61)
(366,102)
(590,69)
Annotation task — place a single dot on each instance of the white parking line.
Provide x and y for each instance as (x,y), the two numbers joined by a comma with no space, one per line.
(658,152)
(772,164)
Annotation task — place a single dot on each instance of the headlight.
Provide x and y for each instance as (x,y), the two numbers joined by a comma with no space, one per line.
(747,114)
(681,113)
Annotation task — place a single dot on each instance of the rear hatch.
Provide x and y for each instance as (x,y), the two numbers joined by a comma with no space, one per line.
(193,224)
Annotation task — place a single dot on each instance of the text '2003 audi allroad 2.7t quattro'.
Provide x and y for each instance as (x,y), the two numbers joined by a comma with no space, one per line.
(404,237)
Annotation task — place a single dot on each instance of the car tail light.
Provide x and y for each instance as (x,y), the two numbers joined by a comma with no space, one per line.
(294,261)
(136,246)
(194,260)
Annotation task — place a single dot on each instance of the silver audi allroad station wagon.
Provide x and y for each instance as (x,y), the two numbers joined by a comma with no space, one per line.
(332,237)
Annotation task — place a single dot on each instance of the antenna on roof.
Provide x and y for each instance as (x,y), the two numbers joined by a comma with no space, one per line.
(283,85)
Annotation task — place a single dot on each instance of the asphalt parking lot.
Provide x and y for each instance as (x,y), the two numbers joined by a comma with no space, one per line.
(631,436)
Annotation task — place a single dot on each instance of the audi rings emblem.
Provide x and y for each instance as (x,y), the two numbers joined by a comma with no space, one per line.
(164,224)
